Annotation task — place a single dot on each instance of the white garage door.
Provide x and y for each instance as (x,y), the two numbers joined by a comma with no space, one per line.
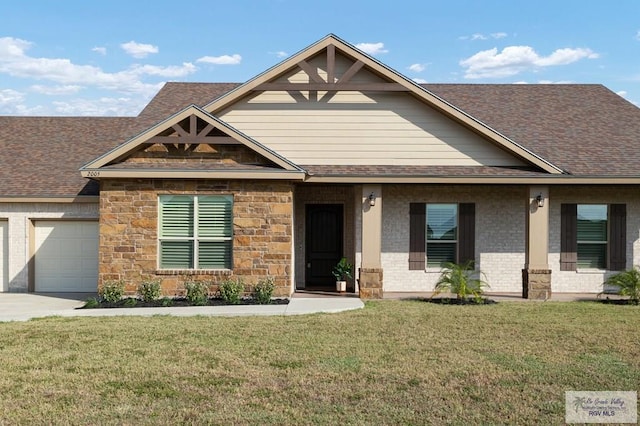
(4,255)
(66,256)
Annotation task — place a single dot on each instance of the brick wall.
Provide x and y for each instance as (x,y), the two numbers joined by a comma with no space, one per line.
(500,234)
(590,281)
(262,225)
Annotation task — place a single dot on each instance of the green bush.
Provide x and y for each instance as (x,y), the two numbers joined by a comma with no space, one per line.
(166,302)
(231,291)
(112,291)
(130,302)
(458,279)
(149,291)
(91,303)
(627,283)
(197,292)
(263,291)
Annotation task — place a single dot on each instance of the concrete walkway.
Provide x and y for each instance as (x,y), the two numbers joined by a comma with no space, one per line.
(25,306)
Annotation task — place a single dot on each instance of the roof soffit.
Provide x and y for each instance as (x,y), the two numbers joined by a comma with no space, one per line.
(331,45)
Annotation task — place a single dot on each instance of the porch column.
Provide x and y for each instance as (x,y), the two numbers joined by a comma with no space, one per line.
(536,277)
(371,267)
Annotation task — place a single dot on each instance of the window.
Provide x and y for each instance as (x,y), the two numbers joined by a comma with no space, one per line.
(196,232)
(592,236)
(441,233)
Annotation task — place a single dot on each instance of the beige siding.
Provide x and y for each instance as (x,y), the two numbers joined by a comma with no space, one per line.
(356,128)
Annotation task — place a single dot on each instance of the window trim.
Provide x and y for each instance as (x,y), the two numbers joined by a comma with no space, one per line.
(454,241)
(616,253)
(606,243)
(195,238)
(466,238)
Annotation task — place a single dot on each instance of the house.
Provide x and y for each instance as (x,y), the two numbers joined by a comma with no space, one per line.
(330,153)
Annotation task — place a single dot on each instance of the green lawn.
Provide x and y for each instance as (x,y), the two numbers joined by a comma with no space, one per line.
(394,362)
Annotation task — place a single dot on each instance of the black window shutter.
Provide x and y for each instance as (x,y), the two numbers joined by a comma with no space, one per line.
(417,235)
(617,237)
(568,237)
(466,232)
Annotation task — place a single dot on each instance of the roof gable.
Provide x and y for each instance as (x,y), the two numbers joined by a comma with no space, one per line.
(157,152)
(330,82)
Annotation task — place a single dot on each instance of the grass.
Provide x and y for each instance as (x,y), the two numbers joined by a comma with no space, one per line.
(395,362)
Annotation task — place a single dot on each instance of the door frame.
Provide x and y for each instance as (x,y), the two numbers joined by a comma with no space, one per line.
(340,235)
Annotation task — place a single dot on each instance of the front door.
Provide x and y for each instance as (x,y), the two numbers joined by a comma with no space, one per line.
(324,245)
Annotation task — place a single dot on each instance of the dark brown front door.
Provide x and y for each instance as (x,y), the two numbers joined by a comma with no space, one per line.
(324,225)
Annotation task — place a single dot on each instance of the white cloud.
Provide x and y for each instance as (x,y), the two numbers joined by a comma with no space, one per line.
(638,35)
(372,48)
(417,67)
(12,103)
(622,93)
(480,36)
(172,71)
(100,50)
(280,54)
(56,90)
(9,96)
(104,106)
(420,80)
(221,60)
(139,50)
(516,59)
(555,82)
(15,62)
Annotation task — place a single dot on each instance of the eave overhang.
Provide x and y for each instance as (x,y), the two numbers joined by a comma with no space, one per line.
(193,174)
(478,180)
(51,199)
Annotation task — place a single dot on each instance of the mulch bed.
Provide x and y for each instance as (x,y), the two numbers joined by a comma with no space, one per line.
(175,302)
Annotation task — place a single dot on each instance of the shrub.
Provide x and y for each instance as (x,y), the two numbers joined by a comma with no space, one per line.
(91,303)
(166,301)
(627,283)
(197,292)
(112,291)
(263,291)
(458,278)
(149,291)
(130,302)
(231,291)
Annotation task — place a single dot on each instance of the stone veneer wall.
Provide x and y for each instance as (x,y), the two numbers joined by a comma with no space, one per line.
(262,225)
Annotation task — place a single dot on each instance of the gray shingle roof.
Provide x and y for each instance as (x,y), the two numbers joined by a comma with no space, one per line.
(584,129)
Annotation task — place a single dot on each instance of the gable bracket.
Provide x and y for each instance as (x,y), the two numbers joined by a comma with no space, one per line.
(353,87)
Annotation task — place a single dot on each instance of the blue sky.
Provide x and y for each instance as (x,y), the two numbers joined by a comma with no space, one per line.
(110,57)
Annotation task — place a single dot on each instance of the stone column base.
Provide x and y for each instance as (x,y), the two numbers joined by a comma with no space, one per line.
(370,283)
(536,284)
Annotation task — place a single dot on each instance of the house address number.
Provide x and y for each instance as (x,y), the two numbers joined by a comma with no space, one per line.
(93,173)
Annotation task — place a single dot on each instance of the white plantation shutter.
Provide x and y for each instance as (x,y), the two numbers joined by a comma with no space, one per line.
(176,254)
(196,232)
(215,216)
(176,213)
(214,254)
